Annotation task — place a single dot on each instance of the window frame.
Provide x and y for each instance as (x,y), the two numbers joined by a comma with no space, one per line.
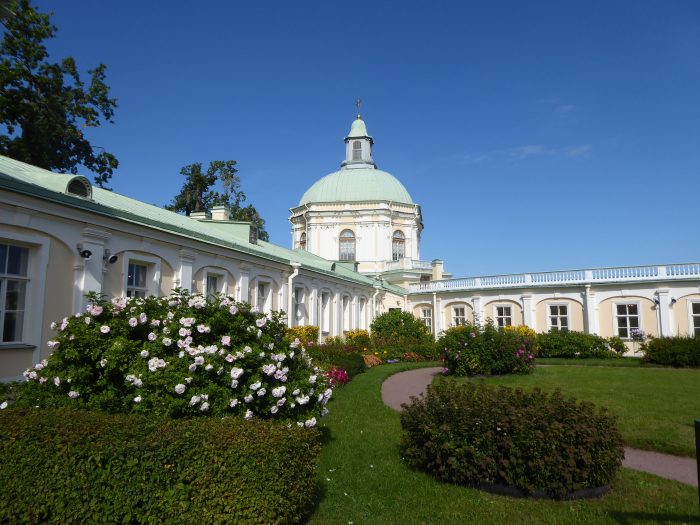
(456,318)
(550,326)
(356,150)
(498,317)
(23,280)
(397,242)
(299,305)
(347,240)
(152,265)
(426,317)
(693,329)
(616,318)
(220,274)
(302,241)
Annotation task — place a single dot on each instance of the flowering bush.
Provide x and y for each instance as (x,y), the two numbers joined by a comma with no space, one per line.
(577,345)
(476,350)
(307,335)
(359,338)
(337,377)
(178,356)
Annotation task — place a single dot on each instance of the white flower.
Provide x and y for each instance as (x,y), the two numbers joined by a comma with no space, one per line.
(296,392)
(273,409)
(199,360)
(3,405)
(302,400)
(73,394)
(143,318)
(53,326)
(248,414)
(295,343)
(192,367)
(188,380)
(234,383)
(247,350)
(152,336)
(180,388)
(262,392)
(104,329)
(155,322)
(137,399)
(204,407)
(203,329)
(324,412)
(269,369)
(229,358)
(310,422)
(167,341)
(88,320)
(255,385)
(236,372)
(261,322)
(233,403)
(166,330)
(226,340)
(133,322)
(57,381)
(103,362)
(170,315)
(281,401)
(208,367)
(184,332)
(312,379)
(195,400)
(144,353)
(233,310)
(279,391)
(300,424)
(248,398)
(138,383)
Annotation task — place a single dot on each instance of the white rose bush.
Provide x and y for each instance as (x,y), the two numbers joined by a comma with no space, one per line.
(178,356)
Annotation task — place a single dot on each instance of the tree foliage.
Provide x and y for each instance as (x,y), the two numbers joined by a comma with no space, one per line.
(45,106)
(219,185)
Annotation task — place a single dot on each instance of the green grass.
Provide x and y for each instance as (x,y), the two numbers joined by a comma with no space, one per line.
(656,407)
(363,479)
(633,362)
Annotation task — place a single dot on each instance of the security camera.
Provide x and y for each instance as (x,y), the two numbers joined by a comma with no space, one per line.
(85,254)
(112,259)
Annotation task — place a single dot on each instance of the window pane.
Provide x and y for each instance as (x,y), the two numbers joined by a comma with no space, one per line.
(3,257)
(621,309)
(12,329)
(696,308)
(634,322)
(17,260)
(212,285)
(622,332)
(632,309)
(14,298)
(564,322)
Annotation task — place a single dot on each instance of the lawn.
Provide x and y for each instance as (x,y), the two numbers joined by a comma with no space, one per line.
(656,407)
(363,479)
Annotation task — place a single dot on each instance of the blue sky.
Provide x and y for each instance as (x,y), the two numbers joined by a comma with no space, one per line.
(535,135)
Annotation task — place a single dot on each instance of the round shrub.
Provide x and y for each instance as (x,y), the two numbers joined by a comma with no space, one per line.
(572,344)
(178,356)
(476,350)
(398,328)
(540,444)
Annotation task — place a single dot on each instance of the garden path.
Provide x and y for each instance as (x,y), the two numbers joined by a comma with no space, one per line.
(399,389)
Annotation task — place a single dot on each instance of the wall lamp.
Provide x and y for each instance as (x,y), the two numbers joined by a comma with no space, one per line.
(656,300)
(108,257)
(85,254)
(673,301)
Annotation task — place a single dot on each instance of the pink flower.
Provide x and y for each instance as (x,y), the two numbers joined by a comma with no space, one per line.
(104,329)
(133,322)
(261,322)
(226,340)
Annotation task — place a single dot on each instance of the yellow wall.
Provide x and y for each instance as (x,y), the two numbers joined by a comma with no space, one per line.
(574,308)
(447,313)
(515,310)
(680,313)
(606,313)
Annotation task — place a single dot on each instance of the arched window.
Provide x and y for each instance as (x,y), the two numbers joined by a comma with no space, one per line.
(357,150)
(398,245)
(302,241)
(347,245)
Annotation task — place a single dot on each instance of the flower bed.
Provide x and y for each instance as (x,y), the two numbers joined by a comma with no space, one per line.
(539,444)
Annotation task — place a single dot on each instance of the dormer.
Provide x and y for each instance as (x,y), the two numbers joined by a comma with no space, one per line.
(358,146)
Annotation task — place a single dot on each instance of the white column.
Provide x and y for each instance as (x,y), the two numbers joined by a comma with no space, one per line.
(186,259)
(436,316)
(89,271)
(590,311)
(665,327)
(528,318)
(244,284)
(336,314)
(477,310)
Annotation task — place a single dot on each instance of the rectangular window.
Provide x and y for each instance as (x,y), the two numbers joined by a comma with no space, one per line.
(695,319)
(426,315)
(212,284)
(627,316)
(136,280)
(13,291)
(458,316)
(503,316)
(558,318)
(298,306)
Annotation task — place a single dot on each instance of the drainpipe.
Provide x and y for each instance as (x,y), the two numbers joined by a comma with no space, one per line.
(374,302)
(290,292)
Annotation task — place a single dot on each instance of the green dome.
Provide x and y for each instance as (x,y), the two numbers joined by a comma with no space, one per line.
(357,184)
(358,129)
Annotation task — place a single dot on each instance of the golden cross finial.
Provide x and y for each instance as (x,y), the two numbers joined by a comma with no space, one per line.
(358,103)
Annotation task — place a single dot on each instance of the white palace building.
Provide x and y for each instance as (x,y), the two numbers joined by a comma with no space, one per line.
(356,253)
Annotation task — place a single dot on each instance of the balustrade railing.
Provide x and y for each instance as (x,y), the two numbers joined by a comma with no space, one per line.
(588,276)
(408,264)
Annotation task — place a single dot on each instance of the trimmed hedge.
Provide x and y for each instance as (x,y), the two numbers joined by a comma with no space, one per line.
(578,345)
(345,357)
(541,444)
(672,351)
(65,466)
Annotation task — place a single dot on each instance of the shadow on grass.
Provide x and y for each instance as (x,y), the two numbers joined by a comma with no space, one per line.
(629,518)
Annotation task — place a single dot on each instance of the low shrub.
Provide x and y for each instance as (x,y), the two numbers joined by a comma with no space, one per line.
(577,345)
(347,358)
(672,351)
(178,356)
(371,360)
(539,443)
(337,377)
(358,338)
(68,466)
(485,350)
(307,335)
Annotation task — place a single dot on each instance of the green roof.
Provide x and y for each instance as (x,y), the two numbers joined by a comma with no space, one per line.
(24,178)
(357,184)
(358,129)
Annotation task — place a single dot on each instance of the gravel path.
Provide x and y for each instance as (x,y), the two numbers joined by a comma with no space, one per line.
(399,388)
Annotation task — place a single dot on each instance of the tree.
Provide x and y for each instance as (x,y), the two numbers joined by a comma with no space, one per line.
(44,106)
(200,193)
